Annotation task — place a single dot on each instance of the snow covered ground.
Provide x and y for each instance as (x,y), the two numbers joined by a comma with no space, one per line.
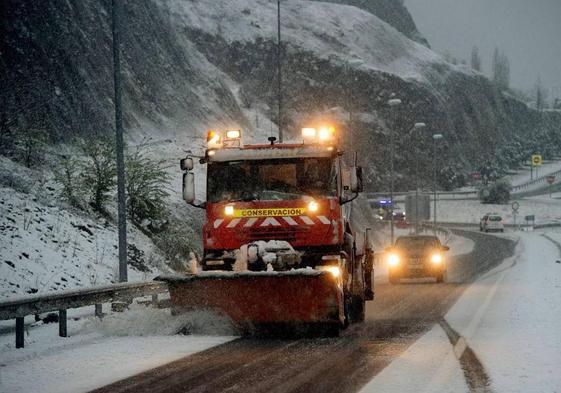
(98,353)
(524,176)
(44,247)
(511,318)
(545,210)
(429,365)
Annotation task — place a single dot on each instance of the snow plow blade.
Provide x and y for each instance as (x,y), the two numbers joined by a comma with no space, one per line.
(263,302)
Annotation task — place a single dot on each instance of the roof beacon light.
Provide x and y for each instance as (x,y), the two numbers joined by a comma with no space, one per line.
(214,140)
(233,138)
(233,134)
(326,133)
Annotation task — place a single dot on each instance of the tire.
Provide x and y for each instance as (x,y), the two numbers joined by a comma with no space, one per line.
(347,311)
(440,278)
(357,309)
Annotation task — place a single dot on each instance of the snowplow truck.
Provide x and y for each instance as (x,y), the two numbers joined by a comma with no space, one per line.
(280,249)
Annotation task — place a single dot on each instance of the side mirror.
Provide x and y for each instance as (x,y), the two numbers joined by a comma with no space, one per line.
(189,187)
(445,248)
(186,164)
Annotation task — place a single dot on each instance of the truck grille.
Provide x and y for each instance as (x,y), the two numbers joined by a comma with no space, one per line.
(288,234)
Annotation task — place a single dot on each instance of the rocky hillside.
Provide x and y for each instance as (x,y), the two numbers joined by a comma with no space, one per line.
(392,12)
(194,64)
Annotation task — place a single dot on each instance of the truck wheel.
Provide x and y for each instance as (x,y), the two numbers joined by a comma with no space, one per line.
(357,309)
(347,311)
(441,277)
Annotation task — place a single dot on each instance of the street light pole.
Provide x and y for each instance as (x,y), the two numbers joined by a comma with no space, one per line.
(279,70)
(417,127)
(392,103)
(435,137)
(121,199)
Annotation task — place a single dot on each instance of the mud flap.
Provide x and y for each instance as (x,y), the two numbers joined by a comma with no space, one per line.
(262,300)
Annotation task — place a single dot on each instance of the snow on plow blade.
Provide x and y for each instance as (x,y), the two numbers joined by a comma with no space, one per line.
(262,301)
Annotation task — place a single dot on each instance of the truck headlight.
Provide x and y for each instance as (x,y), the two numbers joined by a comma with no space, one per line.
(334,270)
(436,259)
(313,206)
(393,260)
(229,210)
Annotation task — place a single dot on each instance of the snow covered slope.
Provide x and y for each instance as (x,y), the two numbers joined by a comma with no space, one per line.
(47,247)
(327,30)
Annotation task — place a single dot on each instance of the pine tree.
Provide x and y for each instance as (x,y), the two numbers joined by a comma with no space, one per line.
(501,70)
(475,59)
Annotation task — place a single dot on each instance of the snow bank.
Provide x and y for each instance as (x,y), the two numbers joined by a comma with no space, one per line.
(429,365)
(146,321)
(99,352)
(511,318)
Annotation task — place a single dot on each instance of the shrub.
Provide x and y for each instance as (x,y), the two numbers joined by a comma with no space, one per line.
(497,192)
(99,171)
(146,186)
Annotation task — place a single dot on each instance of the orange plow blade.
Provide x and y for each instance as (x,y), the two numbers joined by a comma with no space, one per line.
(257,301)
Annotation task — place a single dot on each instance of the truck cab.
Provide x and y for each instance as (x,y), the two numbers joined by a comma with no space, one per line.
(286,200)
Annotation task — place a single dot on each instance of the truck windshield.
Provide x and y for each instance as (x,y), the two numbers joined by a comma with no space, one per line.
(271,179)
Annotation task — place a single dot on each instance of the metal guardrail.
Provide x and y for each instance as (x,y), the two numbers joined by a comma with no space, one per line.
(64,300)
(539,180)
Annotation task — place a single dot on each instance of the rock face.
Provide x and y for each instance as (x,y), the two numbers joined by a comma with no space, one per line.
(194,64)
(393,12)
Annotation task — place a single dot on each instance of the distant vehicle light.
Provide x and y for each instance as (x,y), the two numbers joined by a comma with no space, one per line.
(436,259)
(233,134)
(211,153)
(313,206)
(393,260)
(229,210)
(309,132)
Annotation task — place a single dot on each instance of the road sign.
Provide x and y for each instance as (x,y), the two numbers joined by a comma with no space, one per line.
(551,179)
(515,206)
(536,160)
(530,218)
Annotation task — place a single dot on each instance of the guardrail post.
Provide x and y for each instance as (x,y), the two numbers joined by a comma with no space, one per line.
(99,310)
(155,300)
(62,328)
(19,332)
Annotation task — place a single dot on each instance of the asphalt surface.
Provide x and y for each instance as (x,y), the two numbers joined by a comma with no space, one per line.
(397,317)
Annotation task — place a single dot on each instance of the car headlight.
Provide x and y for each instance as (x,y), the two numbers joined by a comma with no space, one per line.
(436,259)
(393,260)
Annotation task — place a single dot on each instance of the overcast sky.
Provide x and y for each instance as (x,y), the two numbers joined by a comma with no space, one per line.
(528,31)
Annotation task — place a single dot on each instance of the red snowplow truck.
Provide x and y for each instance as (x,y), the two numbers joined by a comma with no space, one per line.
(279,246)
